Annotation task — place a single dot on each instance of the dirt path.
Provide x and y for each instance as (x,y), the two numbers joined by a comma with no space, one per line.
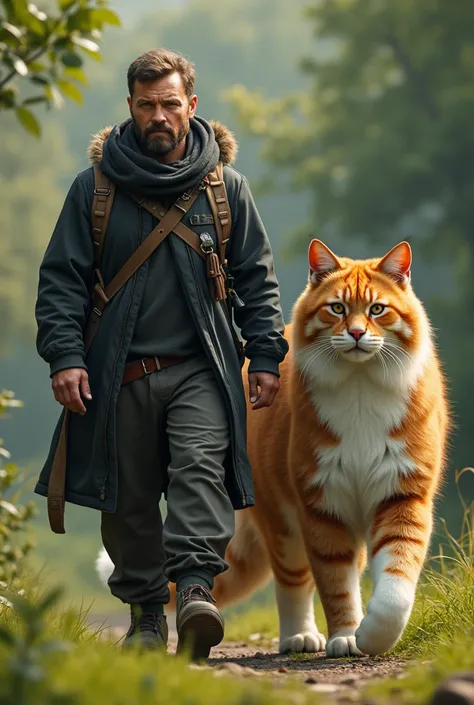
(342,679)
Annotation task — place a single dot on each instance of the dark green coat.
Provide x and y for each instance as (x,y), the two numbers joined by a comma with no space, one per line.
(63,305)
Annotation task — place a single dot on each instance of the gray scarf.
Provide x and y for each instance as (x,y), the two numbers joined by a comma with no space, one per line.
(127,166)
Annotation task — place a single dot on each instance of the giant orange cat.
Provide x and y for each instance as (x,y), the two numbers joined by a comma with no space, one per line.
(348,460)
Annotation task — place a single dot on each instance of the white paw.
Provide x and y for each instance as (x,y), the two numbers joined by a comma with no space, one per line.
(377,634)
(342,646)
(305,642)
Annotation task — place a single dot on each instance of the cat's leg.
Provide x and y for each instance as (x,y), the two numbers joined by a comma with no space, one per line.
(337,560)
(398,544)
(294,587)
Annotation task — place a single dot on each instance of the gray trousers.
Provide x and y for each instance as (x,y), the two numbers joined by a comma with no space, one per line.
(173,435)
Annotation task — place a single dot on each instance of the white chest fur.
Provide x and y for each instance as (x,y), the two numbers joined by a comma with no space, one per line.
(366,466)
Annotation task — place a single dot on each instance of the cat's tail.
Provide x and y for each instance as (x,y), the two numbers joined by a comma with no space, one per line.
(249,567)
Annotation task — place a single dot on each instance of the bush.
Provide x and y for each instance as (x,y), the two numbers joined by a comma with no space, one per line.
(14,517)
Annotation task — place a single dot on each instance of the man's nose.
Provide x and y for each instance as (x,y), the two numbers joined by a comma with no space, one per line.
(159,116)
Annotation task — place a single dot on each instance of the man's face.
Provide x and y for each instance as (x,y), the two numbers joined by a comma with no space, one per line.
(161,112)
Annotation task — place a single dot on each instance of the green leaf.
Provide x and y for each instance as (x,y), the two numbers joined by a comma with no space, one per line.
(20,8)
(77,74)
(42,80)
(7,506)
(70,90)
(14,31)
(54,96)
(80,20)
(71,59)
(28,120)
(36,66)
(106,16)
(6,637)
(20,66)
(39,14)
(87,44)
(7,99)
(66,4)
(35,100)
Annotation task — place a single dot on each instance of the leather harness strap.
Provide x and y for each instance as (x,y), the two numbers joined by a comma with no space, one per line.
(104,191)
(157,210)
(217,197)
(100,298)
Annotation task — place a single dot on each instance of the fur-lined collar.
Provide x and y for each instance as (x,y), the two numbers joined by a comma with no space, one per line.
(224,137)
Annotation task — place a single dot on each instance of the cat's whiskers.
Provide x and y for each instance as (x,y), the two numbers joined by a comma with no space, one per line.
(395,346)
(379,355)
(312,352)
(393,357)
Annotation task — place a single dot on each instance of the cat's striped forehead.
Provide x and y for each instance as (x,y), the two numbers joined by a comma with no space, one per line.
(358,285)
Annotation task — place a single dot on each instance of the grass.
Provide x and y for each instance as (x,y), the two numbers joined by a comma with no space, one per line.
(421,679)
(93,670)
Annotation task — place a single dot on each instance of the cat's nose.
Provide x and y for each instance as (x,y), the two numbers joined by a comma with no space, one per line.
(356,333)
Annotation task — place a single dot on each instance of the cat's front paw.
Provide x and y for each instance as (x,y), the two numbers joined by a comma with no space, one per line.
(342,644)
(377,634)
(305,642)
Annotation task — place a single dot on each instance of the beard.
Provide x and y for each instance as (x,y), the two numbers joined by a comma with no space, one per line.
(158,139)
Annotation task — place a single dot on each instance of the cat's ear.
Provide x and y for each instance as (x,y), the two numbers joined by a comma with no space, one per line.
(397,263)
(321,261)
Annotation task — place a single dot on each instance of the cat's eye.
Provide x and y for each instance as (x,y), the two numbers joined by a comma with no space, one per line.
(338,308)
(377,309)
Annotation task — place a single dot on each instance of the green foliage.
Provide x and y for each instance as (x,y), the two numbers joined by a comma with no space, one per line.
(24,680)
(48,51)
(382,139)
(42,663)
(422,678)
(14,517)
(444,606)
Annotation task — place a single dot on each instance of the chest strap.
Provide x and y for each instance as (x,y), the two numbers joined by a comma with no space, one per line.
(203,244)
(100,298)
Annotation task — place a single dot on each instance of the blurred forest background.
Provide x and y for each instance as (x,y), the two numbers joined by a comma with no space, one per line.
(354,120)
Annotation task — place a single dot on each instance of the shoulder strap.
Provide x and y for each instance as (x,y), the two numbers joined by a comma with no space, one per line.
(102,295)
(217,196)
(104,192)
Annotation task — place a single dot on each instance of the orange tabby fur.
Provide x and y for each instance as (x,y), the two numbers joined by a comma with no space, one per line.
(349,458)
(314,521)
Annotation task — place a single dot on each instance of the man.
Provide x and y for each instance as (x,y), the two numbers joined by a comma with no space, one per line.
(157,404)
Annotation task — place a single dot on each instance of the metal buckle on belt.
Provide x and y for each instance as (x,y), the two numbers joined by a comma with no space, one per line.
(144,367)
(148,372)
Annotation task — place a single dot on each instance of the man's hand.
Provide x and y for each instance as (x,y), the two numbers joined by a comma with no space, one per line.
(269,385)
(68,385)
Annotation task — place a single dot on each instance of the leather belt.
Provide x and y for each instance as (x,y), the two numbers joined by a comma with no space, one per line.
(141,368)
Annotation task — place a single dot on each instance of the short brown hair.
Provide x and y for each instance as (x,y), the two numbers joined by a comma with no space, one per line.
(158,63)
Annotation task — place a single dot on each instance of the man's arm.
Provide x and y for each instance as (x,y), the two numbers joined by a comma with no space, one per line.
(63,298)
(261,321)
